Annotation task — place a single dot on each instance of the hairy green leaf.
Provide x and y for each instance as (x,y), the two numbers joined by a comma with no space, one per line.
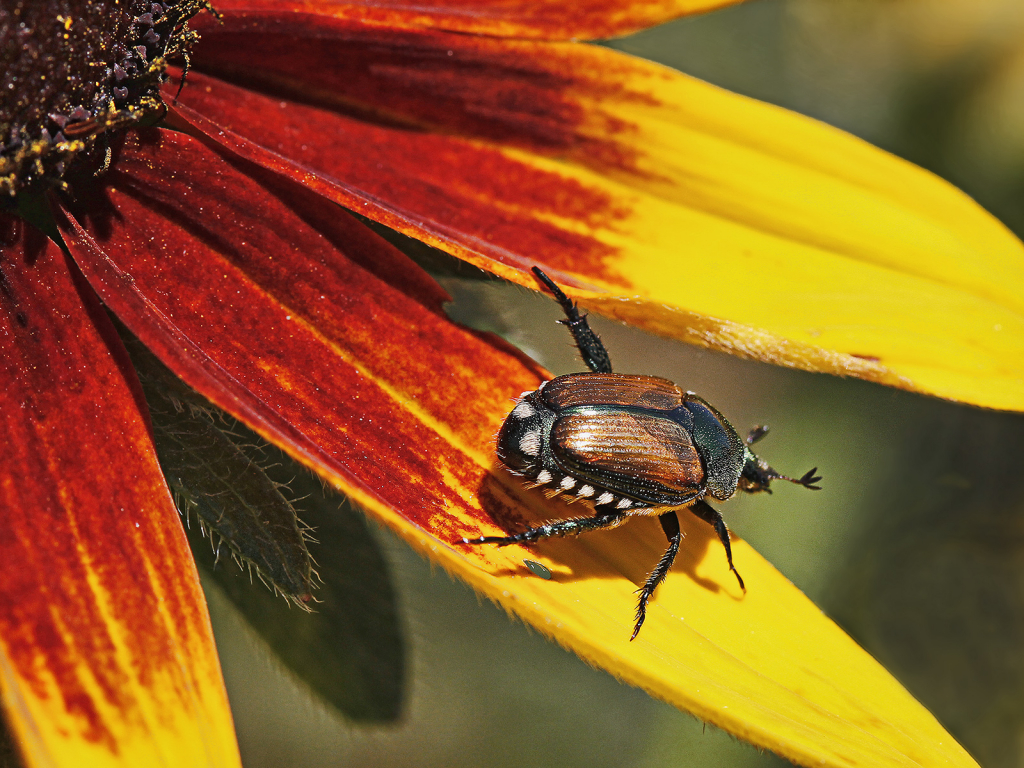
(216,470)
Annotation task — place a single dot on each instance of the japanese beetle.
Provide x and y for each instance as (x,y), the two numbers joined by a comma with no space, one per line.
(629,445)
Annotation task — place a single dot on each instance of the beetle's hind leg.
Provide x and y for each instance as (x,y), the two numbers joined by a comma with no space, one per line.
(571,527)
(709,514)
(670,524)
(589,343)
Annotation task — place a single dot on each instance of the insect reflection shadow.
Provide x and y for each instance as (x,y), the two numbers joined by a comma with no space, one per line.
(628,550)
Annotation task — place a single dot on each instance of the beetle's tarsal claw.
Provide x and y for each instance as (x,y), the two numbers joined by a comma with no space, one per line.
(548,282)
(641,611)
(499,540)
(636,629)
(739,579)
(809,479)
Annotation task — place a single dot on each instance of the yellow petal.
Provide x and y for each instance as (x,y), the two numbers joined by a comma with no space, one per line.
(767,665)
(749,229)
(797,244)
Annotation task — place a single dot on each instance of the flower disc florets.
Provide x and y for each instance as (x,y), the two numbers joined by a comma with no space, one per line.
(73,70)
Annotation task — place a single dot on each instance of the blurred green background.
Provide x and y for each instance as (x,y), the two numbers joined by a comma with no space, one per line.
(914,546)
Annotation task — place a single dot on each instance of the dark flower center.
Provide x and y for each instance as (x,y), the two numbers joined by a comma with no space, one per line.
(72,70)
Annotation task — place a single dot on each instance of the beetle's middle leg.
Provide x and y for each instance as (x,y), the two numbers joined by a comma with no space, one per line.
(670,525)
(709,514)
(572,527)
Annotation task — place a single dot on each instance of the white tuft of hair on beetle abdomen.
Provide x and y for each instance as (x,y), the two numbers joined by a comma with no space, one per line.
(530,443)
(523,411)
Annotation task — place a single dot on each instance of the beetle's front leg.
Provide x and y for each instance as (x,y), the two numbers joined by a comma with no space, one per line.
(670,525)
(709,514)
(572,527)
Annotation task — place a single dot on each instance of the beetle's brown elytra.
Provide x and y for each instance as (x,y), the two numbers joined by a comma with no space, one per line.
(628,445)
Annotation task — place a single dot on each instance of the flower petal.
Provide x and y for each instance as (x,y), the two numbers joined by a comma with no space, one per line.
(106,653)
(548,19)
(684,209)
(332,344)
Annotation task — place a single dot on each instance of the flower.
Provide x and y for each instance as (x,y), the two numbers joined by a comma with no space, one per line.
(217,239)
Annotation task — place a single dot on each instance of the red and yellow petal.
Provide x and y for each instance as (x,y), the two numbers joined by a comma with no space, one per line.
(545,19)
(333,345)
(665,201)
(106,652)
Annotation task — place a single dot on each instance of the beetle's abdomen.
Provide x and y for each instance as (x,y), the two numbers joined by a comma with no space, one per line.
(645,456)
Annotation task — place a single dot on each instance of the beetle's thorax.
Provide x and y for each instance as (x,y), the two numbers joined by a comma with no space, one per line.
(719,445)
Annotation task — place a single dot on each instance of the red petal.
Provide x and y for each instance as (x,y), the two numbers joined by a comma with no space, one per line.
(469,198)
(333,345)
(106,652)
(551,19)
(554,99)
